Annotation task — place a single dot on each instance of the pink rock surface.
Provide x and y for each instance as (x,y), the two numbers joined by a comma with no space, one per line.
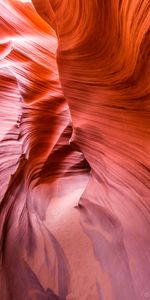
(75,150)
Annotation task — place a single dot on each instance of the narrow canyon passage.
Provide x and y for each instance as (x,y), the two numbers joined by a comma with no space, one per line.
(75,150)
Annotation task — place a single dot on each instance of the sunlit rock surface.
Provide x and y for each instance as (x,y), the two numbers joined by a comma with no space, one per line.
(75,150)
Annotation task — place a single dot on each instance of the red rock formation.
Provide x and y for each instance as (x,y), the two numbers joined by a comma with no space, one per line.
(75,150)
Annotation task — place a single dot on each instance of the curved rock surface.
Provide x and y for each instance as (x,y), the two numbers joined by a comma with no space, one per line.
(75,150)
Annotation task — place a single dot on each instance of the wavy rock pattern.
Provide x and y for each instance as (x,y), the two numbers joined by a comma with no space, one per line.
(75,150)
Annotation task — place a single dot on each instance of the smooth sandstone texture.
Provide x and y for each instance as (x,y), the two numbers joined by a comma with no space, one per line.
(75,150)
